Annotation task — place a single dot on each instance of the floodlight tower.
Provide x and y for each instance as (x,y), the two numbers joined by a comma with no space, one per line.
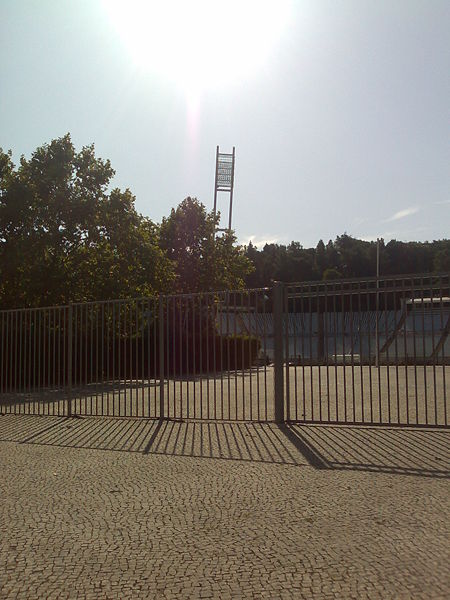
(224,181)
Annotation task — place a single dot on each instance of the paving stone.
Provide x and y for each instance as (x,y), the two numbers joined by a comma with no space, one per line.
(122,524)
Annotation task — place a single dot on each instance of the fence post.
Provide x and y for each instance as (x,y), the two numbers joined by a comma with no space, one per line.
(69,360)
(278,306)
(161,356)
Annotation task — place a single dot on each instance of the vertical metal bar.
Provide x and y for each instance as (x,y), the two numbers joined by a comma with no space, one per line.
(311,371)
(303,324)
(188,360)
(174,344)
(2,365)
(207,334)
(227,336)
(405,348)
(29,353)
(319,314)
(361,361)
(16,368)
(250,338)
(278,294)
(296,361)
(136,358)
(200,354)
(377,341)
(124,305)
(54,352)
(79,357)
(89,380)
(142,358)
(228,352)
(161,356)
(50,351)
(100,366)
(119,354)
(235,357)
(61,337)
(194,355)
(344,367)
(335,327)
(21,369)
(241,308)
(167,347)
(75,365)
(43,351)
(394,304)
(84,347)
(110,357)
(424,352)
(326,348)
(369,340)
(35,409)
(180,354)
(8,354)
(69,359)
(413,312)
(377,358)
(441,303)
(257,334)
(113,366)
(266,410)
(386,334)
(352,351)
(433,353)
(3,361)
(213,316)
(133,410)
(130,408)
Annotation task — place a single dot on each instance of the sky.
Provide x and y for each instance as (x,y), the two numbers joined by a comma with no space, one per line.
(339,110)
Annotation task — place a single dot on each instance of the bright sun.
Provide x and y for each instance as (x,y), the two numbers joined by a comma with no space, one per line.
(200,44)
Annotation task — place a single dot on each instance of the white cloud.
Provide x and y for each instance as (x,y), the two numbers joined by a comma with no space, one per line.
(257,241)
(406,212)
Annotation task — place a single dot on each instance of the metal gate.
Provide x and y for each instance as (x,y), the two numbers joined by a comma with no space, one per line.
(359,351)
(372,351)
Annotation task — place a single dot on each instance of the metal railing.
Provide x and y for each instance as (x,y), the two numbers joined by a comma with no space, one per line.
(358,351)
(368,351)
(191,356)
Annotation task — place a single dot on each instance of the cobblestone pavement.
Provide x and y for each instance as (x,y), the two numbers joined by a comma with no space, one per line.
(104,508)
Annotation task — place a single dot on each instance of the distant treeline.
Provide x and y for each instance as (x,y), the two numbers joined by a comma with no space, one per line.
(65,236)
(346,257)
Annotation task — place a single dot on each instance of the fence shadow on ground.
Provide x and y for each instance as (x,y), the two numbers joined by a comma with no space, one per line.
(379,450)
(407,451)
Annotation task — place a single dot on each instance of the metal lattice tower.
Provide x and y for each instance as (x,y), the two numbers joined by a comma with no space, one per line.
(224,181)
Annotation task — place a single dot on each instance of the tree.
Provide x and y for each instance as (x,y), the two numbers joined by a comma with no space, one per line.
(64,238)
(202,261)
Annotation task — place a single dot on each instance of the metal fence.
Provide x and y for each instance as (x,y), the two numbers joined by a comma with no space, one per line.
(368,351)
(182,357)
(358,351)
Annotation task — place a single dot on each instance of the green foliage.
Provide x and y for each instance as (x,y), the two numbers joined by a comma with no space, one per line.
(346,257)
(331,274)
(64,238)
(202,260)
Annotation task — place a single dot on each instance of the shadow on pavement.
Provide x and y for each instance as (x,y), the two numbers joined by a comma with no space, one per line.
(326,447)
(424,452)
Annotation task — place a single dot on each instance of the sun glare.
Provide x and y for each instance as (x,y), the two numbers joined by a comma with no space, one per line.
(200,44)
